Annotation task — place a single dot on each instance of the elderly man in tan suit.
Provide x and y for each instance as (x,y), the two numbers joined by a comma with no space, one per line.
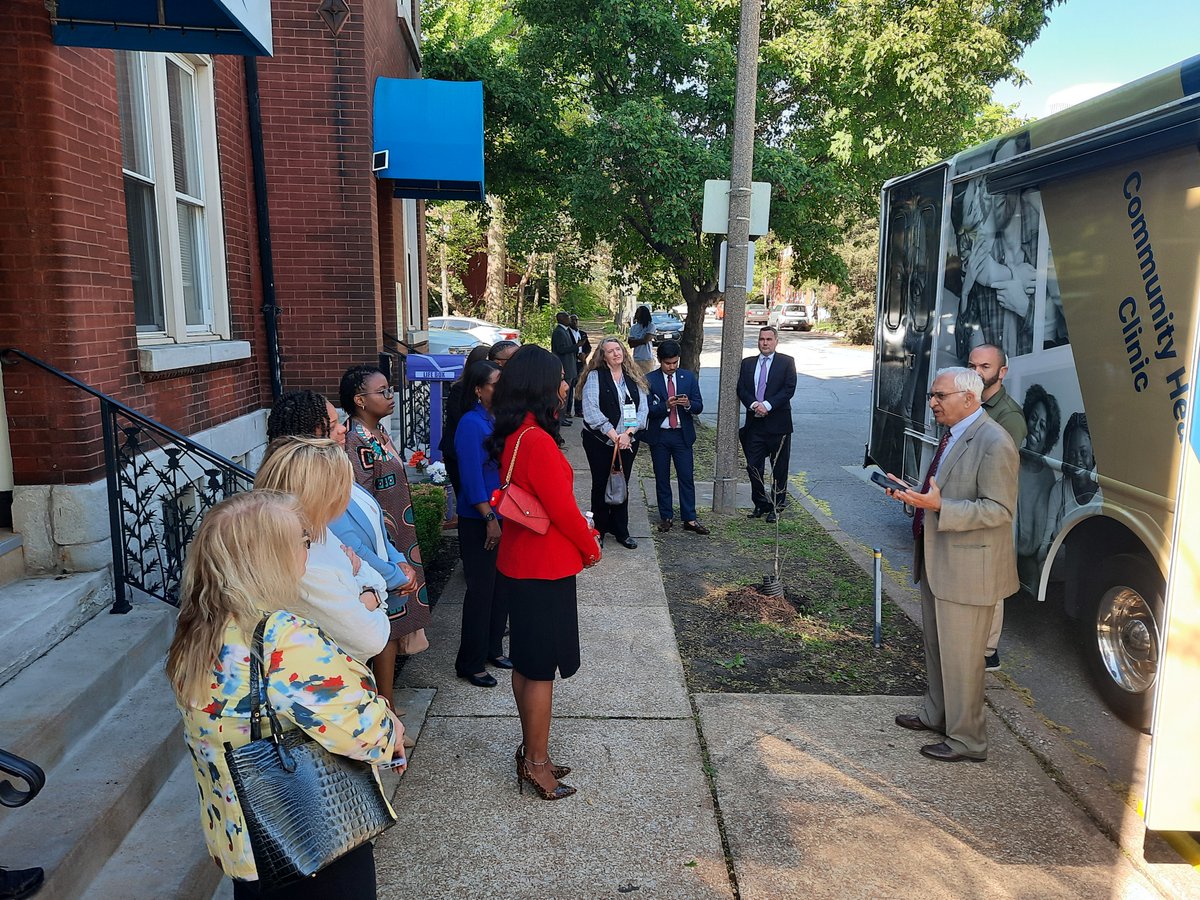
(964,559)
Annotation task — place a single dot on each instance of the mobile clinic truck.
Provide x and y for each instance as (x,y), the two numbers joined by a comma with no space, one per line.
(1074,245)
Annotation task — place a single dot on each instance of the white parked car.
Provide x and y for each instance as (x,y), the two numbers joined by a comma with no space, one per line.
(487,332)
(791,315)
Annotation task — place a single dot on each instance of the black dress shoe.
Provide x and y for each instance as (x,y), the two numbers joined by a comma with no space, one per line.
(18,883)
(501,662)
(772,518)
(758,513)
(696,527)
(943,752)
(484,680)
(628,543)
(665,525)
(912,723)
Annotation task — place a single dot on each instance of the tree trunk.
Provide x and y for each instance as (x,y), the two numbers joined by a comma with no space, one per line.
(497,263)
(552,278)
(698,298)
(446,311)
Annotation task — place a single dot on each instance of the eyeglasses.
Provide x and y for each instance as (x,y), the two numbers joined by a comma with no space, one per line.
(941,396)
(387,393)
(307,540)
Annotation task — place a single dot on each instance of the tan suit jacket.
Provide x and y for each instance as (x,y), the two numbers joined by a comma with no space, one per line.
(967,554)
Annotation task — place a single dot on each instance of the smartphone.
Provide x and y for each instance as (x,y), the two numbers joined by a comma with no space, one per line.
(395,763)
(885,482)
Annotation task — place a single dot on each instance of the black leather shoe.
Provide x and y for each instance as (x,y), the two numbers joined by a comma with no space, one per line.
(912,723)
(665,525)
(629,543)
(501,662)
(484,680)
(758,513)
(772,518)
(696,527)
(942,752)
(18,883)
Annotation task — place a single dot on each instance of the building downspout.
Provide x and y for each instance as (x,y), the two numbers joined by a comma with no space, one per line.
(266,263)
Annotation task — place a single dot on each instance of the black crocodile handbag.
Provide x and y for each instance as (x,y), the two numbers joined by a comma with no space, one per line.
(304,806)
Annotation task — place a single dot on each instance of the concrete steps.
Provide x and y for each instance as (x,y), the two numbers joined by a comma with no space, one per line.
(97,792)
(164,853)
(118,816)
(37,613)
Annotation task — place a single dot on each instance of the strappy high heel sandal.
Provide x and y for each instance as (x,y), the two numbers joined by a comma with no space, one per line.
(523,775)
(558,771)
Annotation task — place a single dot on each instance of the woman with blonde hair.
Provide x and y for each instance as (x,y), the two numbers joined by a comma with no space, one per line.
(615,405)
(245,565)
(343,595)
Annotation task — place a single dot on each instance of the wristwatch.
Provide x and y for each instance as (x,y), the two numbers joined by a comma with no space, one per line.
(490,517)
(375,591)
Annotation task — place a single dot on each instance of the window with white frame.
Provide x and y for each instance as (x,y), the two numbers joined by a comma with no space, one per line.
(172,196)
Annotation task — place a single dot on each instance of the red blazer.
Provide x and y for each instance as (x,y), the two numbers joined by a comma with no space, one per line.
(543,470)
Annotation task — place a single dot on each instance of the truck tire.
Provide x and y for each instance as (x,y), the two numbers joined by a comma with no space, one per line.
(1121,628)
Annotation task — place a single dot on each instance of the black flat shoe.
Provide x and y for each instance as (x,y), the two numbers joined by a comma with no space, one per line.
(629,544)
(772,518)
(501,662)
(758,513)
(484,680)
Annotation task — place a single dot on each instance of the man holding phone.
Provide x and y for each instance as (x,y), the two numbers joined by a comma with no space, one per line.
(965,560)
(671,432)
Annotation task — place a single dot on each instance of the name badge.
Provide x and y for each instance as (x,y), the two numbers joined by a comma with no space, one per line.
(629,415)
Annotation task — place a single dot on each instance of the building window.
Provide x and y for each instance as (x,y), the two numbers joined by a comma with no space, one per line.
(172,197)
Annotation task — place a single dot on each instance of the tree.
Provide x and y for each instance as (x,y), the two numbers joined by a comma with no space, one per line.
(617,111)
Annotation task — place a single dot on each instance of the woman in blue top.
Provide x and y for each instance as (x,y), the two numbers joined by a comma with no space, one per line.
(483,616)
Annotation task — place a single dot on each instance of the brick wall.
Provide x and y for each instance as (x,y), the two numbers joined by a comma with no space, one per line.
(65,292)
(331,226)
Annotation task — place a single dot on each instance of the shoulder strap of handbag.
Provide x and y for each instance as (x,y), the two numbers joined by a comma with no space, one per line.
(258,684)
(512,462)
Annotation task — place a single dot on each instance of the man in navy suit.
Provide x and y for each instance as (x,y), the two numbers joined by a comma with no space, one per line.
(765,387)
(674,399)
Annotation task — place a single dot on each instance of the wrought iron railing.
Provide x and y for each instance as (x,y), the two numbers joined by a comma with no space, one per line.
(414,415)
(160,484)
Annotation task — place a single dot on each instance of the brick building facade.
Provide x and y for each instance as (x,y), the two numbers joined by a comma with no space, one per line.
(129,244)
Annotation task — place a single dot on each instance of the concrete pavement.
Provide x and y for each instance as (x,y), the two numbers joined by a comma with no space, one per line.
(719,795)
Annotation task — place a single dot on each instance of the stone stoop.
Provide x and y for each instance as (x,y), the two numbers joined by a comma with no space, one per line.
(97,714)
(12,557)
(38,612)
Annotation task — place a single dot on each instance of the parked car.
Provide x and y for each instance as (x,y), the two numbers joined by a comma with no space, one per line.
(667,326)
(450,341)
(486,332)
(756,314)
(791,315)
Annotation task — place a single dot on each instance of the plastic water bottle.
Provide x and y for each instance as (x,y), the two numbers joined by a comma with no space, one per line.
(591,520)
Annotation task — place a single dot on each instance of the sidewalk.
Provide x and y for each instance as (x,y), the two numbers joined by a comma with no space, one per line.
(814,796)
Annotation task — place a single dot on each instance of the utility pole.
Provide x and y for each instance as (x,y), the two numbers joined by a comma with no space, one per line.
(736,281)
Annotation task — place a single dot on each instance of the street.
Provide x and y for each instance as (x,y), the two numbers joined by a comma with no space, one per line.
(1038,649)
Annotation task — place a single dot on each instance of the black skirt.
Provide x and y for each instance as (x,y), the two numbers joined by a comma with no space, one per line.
(543,625)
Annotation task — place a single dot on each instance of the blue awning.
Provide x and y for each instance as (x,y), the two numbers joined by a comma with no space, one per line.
(432,134)
(234,27)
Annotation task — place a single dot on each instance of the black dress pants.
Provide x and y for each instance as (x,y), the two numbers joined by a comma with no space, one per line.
(612,520)
(484,612)
(761,448)
(350,878)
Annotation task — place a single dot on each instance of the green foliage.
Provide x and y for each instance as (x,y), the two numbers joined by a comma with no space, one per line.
(614,112)
(429,511)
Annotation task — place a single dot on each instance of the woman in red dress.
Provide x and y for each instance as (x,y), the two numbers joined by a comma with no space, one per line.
(535,573)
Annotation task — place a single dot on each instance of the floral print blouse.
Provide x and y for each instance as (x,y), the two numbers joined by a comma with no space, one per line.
(313,684)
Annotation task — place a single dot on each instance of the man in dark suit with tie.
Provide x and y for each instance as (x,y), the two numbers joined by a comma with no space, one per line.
(964,559)
(671,432)
(765,387)
(565,346)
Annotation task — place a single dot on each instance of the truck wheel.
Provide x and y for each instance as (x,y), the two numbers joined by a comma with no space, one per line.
(1121,628)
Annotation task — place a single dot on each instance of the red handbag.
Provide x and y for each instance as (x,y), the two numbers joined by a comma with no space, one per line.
(515,504)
